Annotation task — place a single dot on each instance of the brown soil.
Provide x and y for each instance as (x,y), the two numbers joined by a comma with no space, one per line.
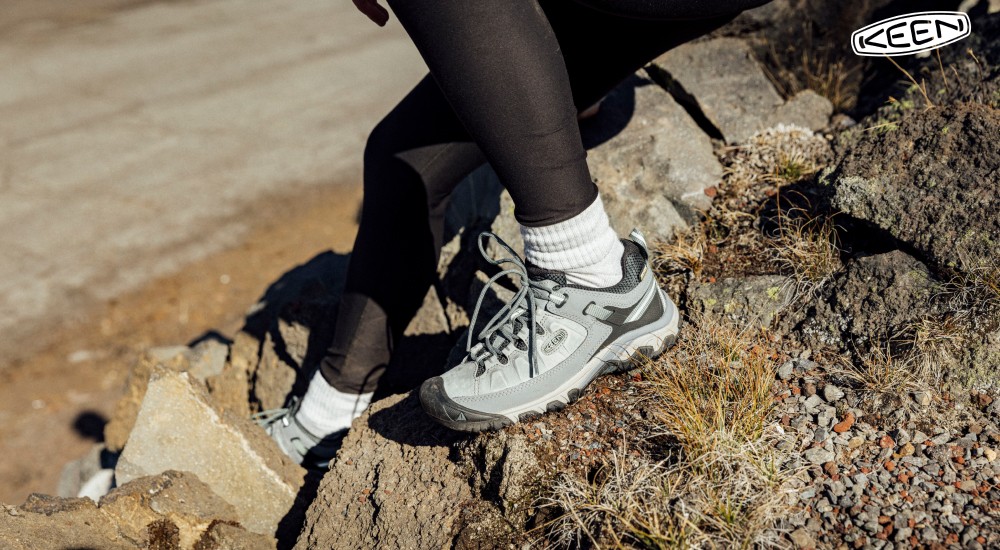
(52,404)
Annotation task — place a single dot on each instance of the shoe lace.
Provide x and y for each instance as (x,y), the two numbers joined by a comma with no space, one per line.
(271,416)
(504,328)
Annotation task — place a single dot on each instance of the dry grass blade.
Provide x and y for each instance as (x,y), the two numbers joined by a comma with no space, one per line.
(716,383)
(883,371)
(683,255)
(807,248)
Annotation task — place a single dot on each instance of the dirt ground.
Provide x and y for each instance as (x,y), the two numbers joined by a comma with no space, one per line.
(52,404)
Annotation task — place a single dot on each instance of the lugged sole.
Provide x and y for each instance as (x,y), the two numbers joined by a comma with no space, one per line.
(626,357)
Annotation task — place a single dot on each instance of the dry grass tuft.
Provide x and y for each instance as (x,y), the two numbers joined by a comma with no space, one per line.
(730,498)
(716,386)
(824,71)
(777,156)
(806,248)
(723,483)
(973,293)
(683,255)
(933,344)
(884,370)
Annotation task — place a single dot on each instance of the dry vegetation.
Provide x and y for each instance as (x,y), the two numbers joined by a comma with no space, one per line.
(806,248)
(710,476)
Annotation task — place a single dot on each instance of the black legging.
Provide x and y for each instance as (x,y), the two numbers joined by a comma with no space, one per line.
(508,78)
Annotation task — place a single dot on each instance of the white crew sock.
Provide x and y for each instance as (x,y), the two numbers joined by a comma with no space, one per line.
(326,410)
(584,247)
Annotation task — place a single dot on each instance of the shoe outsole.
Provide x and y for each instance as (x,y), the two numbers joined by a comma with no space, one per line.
(456,417)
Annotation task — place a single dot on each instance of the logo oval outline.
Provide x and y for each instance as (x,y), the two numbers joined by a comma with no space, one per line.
(861,35)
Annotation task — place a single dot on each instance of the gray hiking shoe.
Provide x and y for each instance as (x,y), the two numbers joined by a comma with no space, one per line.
(544,347)
(305,448)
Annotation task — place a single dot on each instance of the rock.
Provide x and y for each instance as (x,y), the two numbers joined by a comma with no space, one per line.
(873,298)
(922,398)
(117,430)
(812,403)
(896,181)
(753,300)
(657,163)
(173,510)
(226,536)
(802,538)
(785,370)
(819,455)
(179,428)
(177,497)
(845,424)
(392,485)
(74,523)
(287,331)
(832,393)
(806,109)
(722,79)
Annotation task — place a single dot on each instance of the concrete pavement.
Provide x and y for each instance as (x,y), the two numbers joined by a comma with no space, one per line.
(136,139)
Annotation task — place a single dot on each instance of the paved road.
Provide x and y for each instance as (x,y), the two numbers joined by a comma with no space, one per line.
(137,136)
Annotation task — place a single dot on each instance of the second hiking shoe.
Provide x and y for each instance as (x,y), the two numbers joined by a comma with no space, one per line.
(545,346)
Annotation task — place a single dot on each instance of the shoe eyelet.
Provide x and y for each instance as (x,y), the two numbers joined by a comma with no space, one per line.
(503,359)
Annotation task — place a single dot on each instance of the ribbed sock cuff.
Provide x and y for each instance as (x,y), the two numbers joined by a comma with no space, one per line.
(584,247)
(326,410)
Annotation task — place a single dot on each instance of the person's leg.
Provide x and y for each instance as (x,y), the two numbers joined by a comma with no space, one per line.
(501,67)
(413,160)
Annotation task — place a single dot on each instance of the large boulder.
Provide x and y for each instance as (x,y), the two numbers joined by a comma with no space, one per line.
(930,181)
(873,299)
(722,80)
(179,428)
(650,159)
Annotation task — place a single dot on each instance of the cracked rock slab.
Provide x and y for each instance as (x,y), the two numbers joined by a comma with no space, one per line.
(179,428)
(722,79)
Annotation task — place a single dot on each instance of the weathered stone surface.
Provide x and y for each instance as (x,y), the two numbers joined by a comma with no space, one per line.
(71,523)
(392,484)
(226,536)
(178,497)
(117,430)
(657,160)
(930,182)
(286,333)
(178,428)
(173,510)
(806,109)
(872,299)
(722,79)
(752,300)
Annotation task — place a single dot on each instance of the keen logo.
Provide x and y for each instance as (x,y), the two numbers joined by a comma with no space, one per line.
(911,33)
(555,342)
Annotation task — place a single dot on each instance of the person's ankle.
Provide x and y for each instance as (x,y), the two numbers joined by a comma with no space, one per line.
(584,247)
(326,410)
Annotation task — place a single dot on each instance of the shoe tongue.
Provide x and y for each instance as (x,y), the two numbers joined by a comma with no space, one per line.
(536,273)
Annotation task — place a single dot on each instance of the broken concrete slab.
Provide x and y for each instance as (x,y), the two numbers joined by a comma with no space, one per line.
(179,428)
(722,80)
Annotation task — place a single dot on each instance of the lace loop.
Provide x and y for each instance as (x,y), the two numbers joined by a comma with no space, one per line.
(507,322)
